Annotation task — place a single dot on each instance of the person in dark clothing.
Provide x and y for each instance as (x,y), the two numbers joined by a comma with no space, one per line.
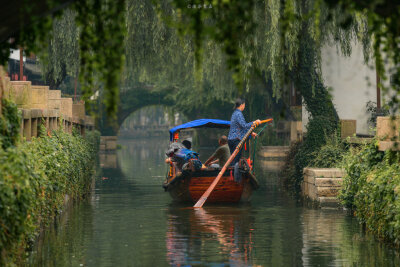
(187,144)
(239,128)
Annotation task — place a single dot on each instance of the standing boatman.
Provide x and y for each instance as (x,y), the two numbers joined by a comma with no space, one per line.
(239,128)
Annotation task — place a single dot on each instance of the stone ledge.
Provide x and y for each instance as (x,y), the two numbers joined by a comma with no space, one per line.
(329,202)
(26,113)
(53,113)
(327,191)
(273,151)
(114,138)
(387,127)
(54,94)
(36,113)
(324,172)
(330,182)
(322,185)
(389,145)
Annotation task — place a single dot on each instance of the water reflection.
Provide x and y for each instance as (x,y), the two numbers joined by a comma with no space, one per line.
(108,160)
(65,243)
(335,239)
(210,236)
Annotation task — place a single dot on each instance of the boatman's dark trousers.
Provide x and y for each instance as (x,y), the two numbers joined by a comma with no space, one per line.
(232,146)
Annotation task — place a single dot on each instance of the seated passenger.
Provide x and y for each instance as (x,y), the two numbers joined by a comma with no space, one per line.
(183,158)
(221,155)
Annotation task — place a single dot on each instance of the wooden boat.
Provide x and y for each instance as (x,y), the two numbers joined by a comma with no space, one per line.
(189,186)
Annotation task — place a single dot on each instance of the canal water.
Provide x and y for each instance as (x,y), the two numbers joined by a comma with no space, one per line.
(130,221)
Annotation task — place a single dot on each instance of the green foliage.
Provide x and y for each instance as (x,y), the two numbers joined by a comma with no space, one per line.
(324,120)
(10,120)
(263,40)
(358,163)
(329,155)
(371,187)
(101,46)
(318,129)
(289,169)
(101,29)
(209,20)
(374,112)
(34,179)
(159,58)
(61,57)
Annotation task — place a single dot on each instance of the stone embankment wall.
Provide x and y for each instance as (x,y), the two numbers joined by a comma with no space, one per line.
(322,185)
(39,105)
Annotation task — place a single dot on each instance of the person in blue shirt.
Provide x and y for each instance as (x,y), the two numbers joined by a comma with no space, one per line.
(239,128)
(180,154)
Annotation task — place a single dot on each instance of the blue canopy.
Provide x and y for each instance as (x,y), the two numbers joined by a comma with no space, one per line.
(206,123)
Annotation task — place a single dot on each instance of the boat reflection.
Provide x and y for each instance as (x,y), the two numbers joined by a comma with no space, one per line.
(213,235)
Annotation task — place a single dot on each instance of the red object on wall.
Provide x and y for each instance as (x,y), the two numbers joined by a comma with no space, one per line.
(24,78)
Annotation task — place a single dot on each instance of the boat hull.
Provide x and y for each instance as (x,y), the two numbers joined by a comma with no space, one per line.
(191,186)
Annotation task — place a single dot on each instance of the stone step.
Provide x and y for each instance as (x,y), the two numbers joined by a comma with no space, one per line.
(322,191)
(329,202)
(330,182)
(324,172)
(273,151)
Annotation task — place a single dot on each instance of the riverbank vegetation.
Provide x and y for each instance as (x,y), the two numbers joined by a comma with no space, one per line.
(35,178)
(371,189)
(371,185)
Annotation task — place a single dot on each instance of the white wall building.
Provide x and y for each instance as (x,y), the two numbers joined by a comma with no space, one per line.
(353,84)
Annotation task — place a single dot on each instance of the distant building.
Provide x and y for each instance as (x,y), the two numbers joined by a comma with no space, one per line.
(31,68)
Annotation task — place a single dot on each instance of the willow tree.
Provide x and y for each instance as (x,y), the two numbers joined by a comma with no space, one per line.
(100,38)
(279,42)
(61,58)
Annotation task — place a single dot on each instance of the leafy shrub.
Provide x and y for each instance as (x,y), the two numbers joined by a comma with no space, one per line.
(9,123)
(329,155)
(318,129)
(371,188)
(374,112)
(34,179)
(358,162)
(289,170)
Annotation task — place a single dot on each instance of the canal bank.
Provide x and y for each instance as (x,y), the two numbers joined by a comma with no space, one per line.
(130,221)
(36,178)
(362,174)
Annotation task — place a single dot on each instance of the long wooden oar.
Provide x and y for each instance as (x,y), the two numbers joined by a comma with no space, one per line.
(206,194)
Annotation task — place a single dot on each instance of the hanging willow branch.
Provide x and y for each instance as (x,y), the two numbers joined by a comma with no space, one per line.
(101,48)
(226,22)
(101,40)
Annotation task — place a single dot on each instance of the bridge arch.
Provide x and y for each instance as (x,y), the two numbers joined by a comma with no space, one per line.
(134,99)
(150,121)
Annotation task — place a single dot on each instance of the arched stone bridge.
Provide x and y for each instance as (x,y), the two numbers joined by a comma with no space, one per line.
(133,99)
